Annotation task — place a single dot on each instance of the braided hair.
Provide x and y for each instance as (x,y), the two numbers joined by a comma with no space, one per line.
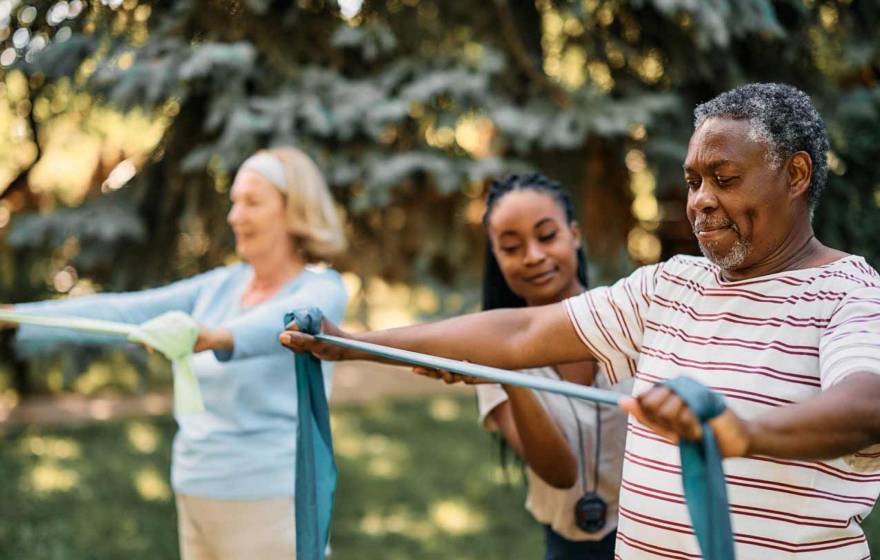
(496,292)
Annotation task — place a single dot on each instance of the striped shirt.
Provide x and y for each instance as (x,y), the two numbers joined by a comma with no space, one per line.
(762,343)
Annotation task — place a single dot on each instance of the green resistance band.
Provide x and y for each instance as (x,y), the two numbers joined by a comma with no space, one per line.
(172,334)
(702,473)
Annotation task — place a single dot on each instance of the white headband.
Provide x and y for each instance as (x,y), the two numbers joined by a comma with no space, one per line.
(269,167)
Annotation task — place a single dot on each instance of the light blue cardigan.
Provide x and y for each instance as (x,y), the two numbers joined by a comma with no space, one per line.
(244,445)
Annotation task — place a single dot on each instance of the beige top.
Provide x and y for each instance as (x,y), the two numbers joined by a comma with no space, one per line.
(555,507)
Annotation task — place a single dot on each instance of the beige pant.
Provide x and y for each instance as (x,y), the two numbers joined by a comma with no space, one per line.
(236,529)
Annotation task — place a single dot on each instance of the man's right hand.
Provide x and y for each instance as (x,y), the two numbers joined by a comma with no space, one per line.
(297,341)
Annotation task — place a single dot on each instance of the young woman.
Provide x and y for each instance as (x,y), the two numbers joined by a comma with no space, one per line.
(233,465)
(571,447)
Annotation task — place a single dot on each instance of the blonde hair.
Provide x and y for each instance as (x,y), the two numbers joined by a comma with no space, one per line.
(312,218)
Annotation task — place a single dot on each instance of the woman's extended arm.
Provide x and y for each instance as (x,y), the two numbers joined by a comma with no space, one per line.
(127,307)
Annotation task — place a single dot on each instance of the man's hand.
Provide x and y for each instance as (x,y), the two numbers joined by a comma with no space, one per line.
(666,413)
(297,341)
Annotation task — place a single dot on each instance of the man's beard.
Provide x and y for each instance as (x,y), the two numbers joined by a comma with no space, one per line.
(734,257)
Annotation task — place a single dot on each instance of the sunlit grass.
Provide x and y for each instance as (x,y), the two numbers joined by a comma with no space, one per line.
(457,517)
(413,484)
(143,436)
(444,409)
(49,447)
(151,485)
(47,477)
(417,480)
(400,522)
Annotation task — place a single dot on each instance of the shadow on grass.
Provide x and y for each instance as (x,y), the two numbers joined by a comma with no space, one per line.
(418,479)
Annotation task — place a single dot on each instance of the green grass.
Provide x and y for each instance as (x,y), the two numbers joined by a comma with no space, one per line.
(418,479)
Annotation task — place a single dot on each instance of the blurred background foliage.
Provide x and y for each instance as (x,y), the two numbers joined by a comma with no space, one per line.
(122,123)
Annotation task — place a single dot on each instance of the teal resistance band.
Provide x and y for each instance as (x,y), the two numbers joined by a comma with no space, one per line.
(315,483)
(172,334)
(705,490)
(503,376)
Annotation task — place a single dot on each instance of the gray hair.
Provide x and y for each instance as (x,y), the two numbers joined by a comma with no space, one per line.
(781,116)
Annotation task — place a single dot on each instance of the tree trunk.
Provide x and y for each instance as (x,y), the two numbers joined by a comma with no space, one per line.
(605,207)
(21,380)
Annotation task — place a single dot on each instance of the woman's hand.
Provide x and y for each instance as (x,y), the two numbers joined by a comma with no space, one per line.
(5,325)
(213,339)
(297,341)
(449,377)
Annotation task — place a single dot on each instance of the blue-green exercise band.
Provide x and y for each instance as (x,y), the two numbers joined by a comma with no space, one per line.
(502,376)
(702,474)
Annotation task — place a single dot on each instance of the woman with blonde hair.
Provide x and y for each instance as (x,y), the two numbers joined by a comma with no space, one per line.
(233,465)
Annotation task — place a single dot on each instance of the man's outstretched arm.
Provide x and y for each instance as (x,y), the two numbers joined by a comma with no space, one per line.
(504,338)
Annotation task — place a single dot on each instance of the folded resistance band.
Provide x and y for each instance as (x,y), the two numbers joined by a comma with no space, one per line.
(172,334)
(702,472)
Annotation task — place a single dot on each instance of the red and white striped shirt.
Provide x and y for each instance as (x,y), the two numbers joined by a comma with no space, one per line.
(762,343)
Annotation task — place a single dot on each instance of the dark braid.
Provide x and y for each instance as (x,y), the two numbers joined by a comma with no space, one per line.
(496,292)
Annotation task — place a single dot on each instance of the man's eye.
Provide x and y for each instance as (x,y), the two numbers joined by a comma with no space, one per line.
(692,183)
(724,181)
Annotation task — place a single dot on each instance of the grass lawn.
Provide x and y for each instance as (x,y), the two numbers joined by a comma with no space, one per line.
(418,480)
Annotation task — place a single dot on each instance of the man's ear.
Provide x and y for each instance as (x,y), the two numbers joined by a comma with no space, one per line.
(800,174)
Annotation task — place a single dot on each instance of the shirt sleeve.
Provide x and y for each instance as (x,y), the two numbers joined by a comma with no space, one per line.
(489,397)
(255,333)
(610,320)
(850,341)
(128,307)
(849,345)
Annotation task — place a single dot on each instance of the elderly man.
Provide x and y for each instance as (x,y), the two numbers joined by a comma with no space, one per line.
(784,327)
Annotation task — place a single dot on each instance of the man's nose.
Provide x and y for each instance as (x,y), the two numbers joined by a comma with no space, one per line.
(702,199)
